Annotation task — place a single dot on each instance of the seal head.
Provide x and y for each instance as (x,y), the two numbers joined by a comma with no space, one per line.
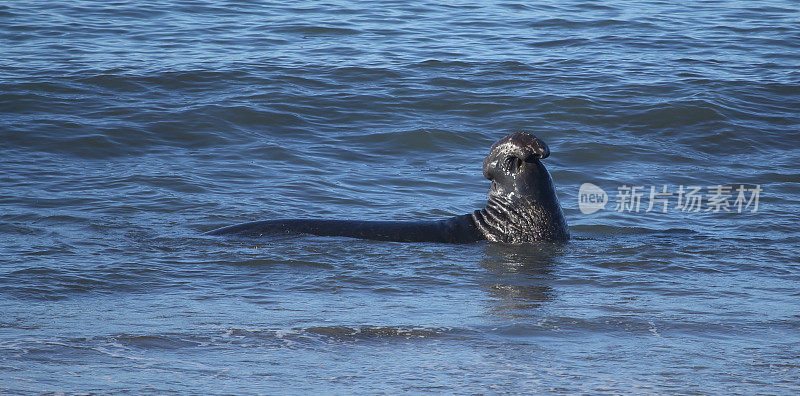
(523,206)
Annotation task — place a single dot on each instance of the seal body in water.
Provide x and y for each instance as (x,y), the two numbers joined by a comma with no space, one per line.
(522,207)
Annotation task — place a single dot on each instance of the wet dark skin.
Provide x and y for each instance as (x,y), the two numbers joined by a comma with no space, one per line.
(522,207)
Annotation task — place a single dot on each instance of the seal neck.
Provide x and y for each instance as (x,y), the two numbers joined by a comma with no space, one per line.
(514,219)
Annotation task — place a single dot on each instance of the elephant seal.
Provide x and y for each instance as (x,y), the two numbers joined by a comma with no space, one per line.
(522,207)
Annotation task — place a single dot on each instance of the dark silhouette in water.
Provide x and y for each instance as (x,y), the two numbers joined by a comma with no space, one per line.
(522,207)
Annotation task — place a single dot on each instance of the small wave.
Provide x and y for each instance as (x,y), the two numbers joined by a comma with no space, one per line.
(414,140)
(591,23)
(360,73)
(164,341)
(681,112)
(561,43)
(317,31)
(376,332)
(626,320)
(291,262)
(603,230)
(315,334)
(52,284)
(436,63)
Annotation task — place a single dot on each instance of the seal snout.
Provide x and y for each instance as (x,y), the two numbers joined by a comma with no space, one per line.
(523,145)
(510,152)
(529,147)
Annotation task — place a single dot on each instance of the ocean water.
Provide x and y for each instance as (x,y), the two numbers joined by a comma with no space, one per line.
(129,128)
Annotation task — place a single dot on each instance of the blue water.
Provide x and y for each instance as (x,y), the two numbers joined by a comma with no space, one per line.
(128,129)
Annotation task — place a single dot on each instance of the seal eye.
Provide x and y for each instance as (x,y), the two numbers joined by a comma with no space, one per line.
(513,164)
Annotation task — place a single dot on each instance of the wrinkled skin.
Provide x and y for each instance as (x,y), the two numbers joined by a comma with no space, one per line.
(522,207)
